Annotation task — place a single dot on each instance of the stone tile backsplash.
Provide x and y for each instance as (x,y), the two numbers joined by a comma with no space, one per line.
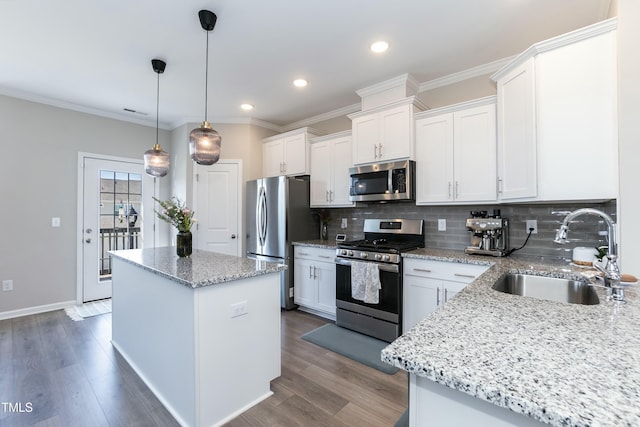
(585,231)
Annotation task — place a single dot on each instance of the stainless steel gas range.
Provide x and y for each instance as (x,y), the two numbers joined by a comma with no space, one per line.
(378,257)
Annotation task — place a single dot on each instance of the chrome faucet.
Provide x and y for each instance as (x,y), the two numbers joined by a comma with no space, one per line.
(611,271)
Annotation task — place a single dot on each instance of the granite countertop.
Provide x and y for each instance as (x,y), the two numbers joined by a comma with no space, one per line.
(562,364)
(317,243)
(202,268)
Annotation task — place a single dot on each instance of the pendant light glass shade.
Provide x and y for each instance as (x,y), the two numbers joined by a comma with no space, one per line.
(205,142)
(156,160)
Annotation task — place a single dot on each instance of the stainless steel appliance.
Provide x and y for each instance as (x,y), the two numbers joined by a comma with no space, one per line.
(384,241)
(490,234)
(278,213)
(383,182)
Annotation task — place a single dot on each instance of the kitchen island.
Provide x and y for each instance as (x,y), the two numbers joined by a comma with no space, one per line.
(203,332)
(488,358)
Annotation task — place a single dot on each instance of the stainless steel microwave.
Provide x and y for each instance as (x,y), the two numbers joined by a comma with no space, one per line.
(383,182)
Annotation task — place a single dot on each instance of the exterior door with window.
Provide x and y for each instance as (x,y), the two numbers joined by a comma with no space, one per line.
(114,216)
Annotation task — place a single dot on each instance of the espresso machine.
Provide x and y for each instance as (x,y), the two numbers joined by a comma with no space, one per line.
(489,234)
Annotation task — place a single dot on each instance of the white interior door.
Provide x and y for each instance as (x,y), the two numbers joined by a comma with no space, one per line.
(115,208)
(218,207)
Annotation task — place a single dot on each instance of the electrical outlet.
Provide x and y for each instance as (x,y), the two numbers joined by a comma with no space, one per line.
(55,222)
(290,292)
(343,224)
(239,308)
(7,285)
(442,225)
(532,223)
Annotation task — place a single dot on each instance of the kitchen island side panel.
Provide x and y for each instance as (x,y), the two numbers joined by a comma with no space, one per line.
(153,329)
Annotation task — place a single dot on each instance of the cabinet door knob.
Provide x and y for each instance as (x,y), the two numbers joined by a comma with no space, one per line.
(233,236)
(88,240)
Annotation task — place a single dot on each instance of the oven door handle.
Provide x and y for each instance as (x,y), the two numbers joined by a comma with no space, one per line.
(393,268)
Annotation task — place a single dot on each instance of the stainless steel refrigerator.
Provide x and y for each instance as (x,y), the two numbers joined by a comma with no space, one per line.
(278,214)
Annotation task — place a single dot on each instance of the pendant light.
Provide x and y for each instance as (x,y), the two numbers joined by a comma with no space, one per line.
(156,160)
(205,142)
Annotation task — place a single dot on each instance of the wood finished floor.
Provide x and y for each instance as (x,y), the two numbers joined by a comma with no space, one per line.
(72,376)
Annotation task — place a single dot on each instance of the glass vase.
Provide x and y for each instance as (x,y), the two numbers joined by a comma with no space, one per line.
(183,243)
(324,232)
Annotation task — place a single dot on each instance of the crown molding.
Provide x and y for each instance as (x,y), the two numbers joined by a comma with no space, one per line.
(322,117)
(575,36)
(403,80)
(230,121)
(480,70)
(31,97)
(487,100)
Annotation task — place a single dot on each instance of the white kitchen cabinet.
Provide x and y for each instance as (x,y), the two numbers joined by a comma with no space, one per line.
(287,153)
(456,153)
(314,280)
(384,133)
(557,119)
(429,284)
(330,163)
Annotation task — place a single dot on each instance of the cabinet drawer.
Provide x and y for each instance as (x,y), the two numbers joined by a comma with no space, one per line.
(453,271)
(315,254)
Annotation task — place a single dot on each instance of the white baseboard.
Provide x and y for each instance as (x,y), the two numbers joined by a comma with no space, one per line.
(35,310)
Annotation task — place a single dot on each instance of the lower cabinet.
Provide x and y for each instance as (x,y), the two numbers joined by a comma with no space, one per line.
(429,284)
(314,279)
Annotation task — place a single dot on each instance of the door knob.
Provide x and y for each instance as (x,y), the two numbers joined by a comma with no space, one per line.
(88,240)
(233,236)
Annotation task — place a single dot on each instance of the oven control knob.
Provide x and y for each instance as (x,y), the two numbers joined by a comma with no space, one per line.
(364,255)
(386,258)
(343,252)
(378,257)
(350,253)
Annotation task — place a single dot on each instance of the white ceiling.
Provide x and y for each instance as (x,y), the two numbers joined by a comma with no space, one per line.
(95,56)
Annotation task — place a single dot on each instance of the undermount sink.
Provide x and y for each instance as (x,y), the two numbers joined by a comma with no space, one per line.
(547,288)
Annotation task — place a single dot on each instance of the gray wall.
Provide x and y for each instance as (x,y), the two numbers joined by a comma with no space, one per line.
(39,147)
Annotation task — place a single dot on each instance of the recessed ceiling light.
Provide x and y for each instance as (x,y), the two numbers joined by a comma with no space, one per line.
(379,46)
(246,107)
(300,82)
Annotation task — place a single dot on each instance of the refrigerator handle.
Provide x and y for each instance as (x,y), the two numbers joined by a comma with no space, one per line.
(261,216)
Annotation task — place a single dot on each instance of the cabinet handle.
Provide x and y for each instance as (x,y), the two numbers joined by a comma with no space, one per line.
(375,151)
(380,150)
(446,295)
(314,272)
(310,277)
(326,196)
(499,185)
(331,195)
(437,296)
(423,270)
(284,166)
(470,276)
(449,190)
(324,256)
(456,192)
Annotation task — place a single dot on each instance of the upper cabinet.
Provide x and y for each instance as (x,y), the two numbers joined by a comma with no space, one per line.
(384,133)
(557,119)
(287,153)
(330,163)
(456,153)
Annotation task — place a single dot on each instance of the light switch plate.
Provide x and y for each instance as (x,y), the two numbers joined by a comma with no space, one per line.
(442,225)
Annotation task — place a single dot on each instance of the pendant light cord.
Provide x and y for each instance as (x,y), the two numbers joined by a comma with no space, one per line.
(158,111)
(206,78)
